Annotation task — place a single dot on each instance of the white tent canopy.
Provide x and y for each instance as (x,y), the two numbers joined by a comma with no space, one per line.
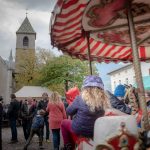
(32,91)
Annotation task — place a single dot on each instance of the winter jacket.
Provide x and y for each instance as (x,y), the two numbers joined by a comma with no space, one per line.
(84,119)
(56,114)
(38,122)
(42,105)
(118,104)
(13,109)
(26,112)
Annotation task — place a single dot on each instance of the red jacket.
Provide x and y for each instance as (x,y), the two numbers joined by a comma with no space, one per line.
(56,114)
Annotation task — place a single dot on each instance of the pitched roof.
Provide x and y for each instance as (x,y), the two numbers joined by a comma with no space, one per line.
(4,62)
(32,91)
(120,69)
(26,27)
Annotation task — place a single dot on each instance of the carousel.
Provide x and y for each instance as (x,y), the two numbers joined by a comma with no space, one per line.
(109,31)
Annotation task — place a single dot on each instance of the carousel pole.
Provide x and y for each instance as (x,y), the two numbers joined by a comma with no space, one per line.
(137,68)
(89,53)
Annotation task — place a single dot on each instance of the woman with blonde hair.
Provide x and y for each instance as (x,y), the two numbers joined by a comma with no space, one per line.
(57,113)
(90,105)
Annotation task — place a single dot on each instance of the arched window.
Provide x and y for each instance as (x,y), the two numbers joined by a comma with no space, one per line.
(25,41)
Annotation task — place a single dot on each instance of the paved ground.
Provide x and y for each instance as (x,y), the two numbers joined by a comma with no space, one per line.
(6,135)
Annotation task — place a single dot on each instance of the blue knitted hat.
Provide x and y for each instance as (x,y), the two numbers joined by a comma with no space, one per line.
(120,91)
(93,81)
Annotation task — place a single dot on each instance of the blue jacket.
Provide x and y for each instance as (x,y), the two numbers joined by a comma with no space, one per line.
(84,119)
(38,122)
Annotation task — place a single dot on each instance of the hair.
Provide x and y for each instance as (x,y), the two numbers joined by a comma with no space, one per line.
(44,94)
(95,98)
(13,96)
(55,97)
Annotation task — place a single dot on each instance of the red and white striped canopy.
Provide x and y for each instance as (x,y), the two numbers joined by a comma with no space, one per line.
(106,21)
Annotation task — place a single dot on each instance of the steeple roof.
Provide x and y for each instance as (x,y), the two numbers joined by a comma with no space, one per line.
(26,27)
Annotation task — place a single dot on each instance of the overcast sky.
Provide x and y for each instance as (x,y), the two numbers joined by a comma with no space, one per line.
(12,14)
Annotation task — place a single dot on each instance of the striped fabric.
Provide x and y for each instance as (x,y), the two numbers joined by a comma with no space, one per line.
(67,34)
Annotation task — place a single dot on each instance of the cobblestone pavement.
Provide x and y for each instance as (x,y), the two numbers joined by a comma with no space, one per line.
(6,135)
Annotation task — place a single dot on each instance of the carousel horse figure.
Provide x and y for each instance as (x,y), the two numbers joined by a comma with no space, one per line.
(116,133)
(111,119)
(132,97)
(113,133)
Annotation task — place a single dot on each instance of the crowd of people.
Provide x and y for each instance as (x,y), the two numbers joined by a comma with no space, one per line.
(47,114)
(24,111)
(90,103)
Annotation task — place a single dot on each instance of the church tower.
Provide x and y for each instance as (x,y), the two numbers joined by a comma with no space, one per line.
(25,45)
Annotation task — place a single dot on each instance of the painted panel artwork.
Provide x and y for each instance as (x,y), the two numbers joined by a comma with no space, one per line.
(101,15)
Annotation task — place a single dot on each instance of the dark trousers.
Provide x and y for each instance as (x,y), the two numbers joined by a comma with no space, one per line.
(46,123)
(37,131)
(26,124)
(56,138)
(0,134)
(13,129)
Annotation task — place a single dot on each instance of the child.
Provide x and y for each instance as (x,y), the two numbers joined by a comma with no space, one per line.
(57,113)
(87,107)
(37,128)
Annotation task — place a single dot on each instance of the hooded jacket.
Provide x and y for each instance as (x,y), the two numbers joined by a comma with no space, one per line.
(38,122)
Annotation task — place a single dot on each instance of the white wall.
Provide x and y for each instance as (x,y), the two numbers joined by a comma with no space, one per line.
(4,81)
(122,75)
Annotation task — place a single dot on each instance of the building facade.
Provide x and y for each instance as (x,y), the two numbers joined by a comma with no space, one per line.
(6,78)
(126,75)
